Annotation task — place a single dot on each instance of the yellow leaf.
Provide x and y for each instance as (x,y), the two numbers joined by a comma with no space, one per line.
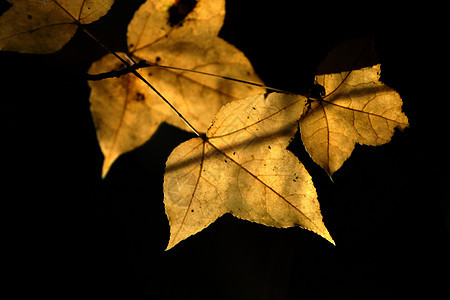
(127,113)
(360,110)
(36,27)
(242,167)
(152,24)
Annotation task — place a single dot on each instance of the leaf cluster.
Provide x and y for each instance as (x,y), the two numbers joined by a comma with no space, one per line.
(174,72)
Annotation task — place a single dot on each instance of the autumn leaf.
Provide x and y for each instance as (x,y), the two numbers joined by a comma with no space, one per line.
(127,113)
(242,167)
(38,27)
(361,109)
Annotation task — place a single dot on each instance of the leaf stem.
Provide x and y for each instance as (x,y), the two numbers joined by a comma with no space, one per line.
(135,73)
(221,76)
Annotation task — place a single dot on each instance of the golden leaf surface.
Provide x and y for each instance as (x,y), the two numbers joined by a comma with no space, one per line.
(360,110)
(127,113)
(35,27)
(242,167)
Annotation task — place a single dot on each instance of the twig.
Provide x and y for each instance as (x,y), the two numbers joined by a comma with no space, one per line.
(117,73)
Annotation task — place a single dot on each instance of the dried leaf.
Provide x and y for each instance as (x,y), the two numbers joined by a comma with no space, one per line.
(360,110)
(243,168)
(127,113)
(37,27)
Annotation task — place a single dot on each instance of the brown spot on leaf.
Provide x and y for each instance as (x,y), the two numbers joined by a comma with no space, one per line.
(139,97)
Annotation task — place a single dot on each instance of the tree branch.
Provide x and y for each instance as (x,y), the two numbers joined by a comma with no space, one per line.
(117,73)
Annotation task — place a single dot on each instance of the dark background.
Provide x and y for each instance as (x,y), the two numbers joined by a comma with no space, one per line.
(69,233)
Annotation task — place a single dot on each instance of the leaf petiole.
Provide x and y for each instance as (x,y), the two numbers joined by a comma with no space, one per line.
(154,65)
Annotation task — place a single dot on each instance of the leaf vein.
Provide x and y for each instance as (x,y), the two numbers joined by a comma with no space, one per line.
(255,123)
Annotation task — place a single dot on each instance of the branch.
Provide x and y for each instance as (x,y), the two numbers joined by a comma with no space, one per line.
(117,73)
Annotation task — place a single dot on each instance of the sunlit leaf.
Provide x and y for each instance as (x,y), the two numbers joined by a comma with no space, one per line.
(33,26)
(361,110)
(242,167)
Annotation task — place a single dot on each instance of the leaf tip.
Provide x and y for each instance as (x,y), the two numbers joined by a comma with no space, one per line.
(169,247)
(105,170)
(326,235)
(330,175)
(332,241)
(173,241)
(108,161)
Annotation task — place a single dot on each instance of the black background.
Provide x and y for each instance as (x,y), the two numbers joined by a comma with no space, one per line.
(69,233)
